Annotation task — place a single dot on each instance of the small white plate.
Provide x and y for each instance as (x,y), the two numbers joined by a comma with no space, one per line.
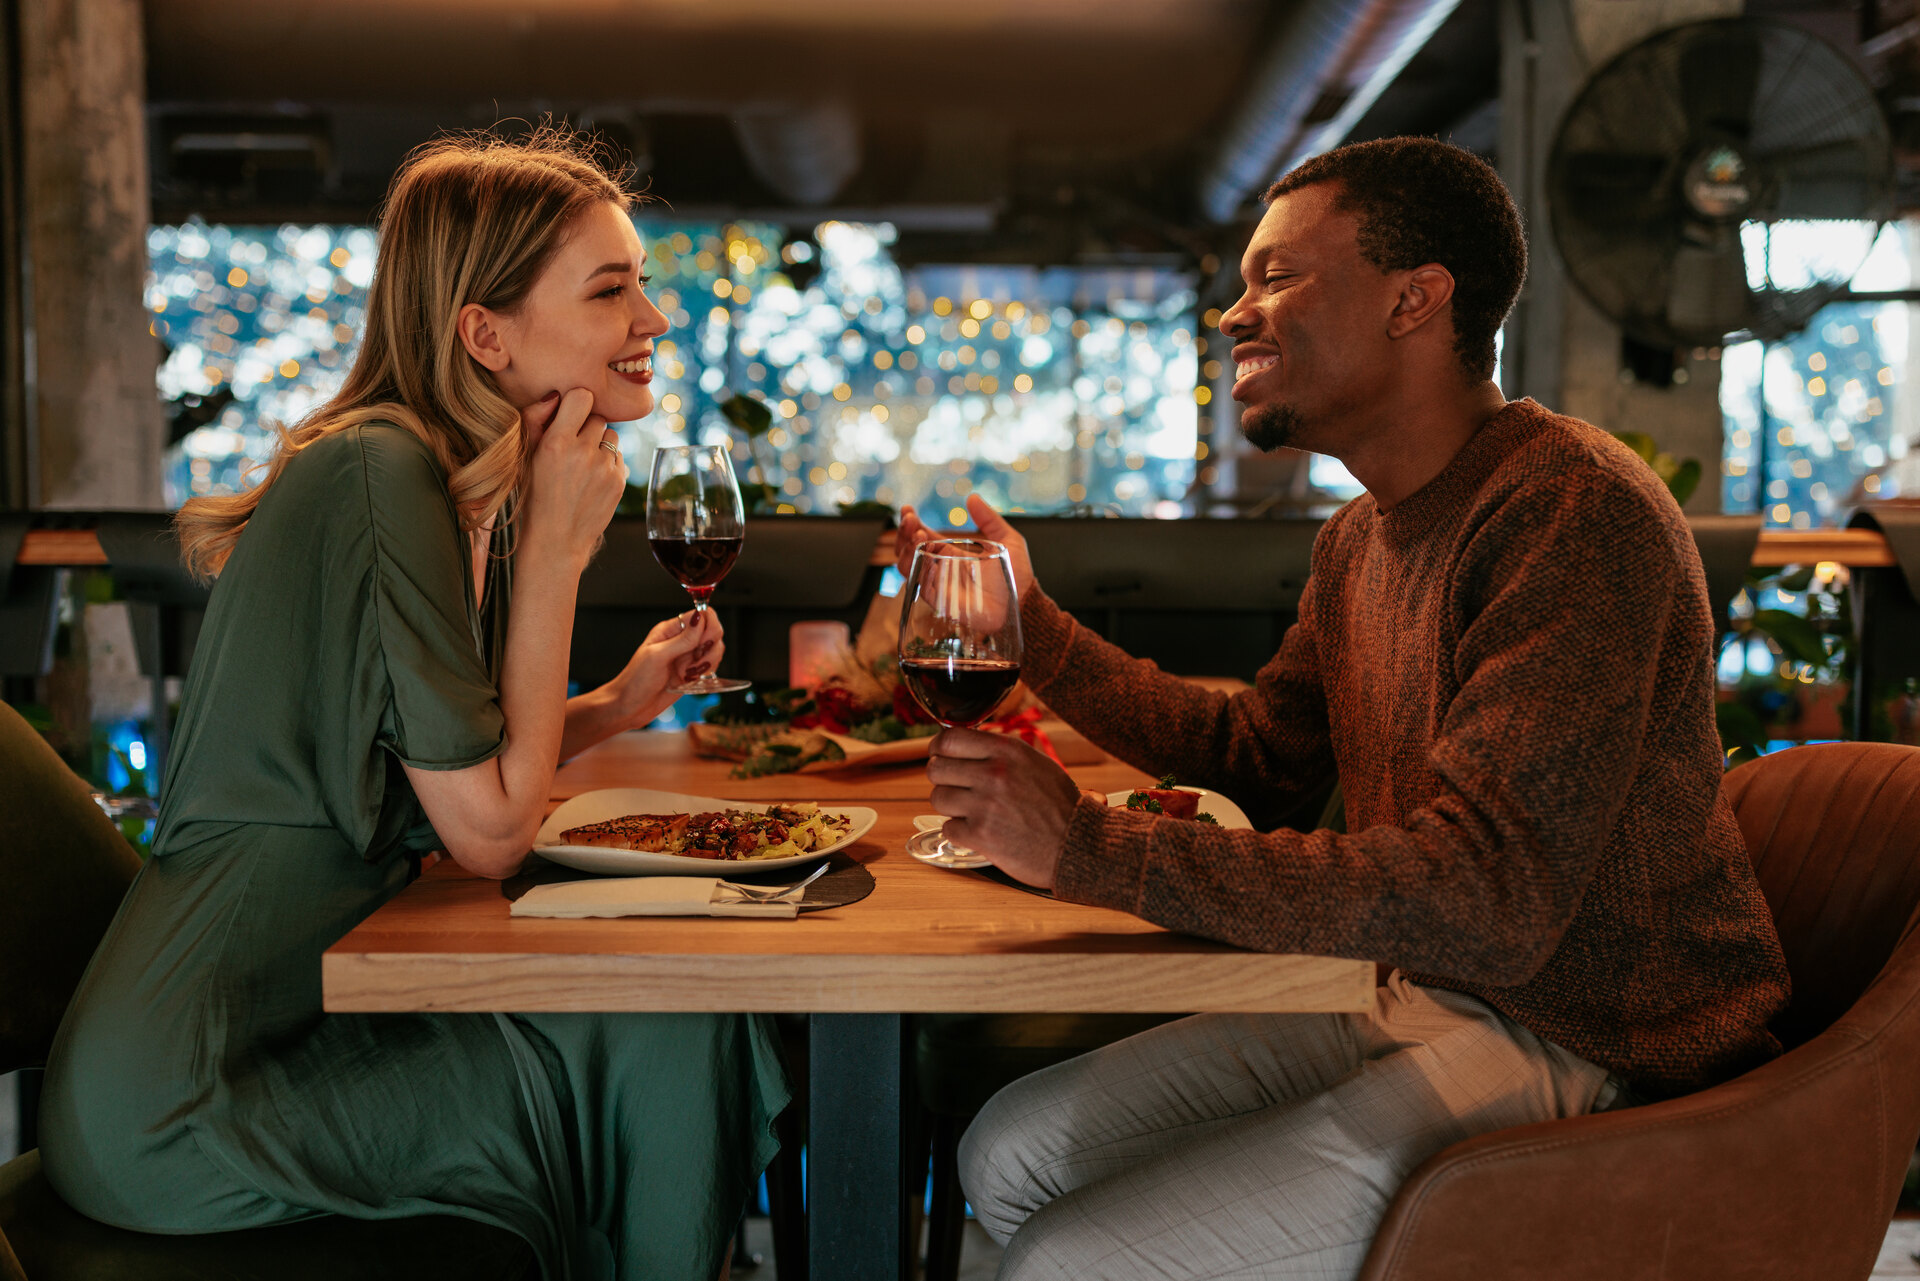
(613,802)
(925,844)
(926,839)
(1224,811)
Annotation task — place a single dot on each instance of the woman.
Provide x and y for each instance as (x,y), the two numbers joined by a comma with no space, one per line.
(363,691)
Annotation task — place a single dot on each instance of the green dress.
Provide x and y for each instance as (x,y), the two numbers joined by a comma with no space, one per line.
(196,1084)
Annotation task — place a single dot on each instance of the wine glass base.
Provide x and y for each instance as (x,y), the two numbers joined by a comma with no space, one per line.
(711,685)
(931,847)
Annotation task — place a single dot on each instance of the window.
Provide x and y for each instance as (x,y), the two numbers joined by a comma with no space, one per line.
(1817,423)
(1044,389)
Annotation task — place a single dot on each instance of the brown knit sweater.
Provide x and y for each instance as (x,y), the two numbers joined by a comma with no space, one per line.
(1511,672)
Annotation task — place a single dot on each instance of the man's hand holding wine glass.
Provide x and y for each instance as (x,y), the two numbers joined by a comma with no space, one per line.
(960,652)
(1002,799)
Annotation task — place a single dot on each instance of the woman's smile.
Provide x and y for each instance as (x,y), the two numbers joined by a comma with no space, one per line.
(635,369)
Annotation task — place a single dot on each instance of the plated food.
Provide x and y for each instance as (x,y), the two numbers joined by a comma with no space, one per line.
(782,831)
(639,831)
(1171,800)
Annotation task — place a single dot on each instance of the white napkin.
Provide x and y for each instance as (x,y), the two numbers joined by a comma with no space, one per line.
(646,896)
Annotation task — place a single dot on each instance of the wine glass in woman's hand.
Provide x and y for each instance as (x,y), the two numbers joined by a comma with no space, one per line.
(960,642)
(696,525)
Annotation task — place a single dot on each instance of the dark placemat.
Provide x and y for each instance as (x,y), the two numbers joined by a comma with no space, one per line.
(995,874)
(845,882)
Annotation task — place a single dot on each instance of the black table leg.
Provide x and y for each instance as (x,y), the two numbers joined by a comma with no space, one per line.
(856,1153)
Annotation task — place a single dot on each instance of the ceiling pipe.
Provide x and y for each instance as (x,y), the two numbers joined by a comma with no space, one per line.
(1390,47)
(1328,45)
(1283,87)
(805,153)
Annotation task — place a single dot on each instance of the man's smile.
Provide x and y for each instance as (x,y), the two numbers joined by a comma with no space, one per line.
(1248,365)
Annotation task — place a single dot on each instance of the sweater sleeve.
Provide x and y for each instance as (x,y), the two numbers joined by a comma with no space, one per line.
(1562,639)
(1265,747)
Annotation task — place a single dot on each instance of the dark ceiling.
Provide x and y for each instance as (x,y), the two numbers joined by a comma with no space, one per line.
(1025,130)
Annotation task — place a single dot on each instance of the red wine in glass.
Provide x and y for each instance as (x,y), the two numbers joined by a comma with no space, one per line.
(697,564)
(960,646)
(959,691)
(696,526)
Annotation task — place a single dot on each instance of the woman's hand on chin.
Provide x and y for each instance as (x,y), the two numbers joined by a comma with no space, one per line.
(573,483)
(676,650)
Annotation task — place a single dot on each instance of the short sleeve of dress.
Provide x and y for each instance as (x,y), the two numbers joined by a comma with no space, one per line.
(444,710)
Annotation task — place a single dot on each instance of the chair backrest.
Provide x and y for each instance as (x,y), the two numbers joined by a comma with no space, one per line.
(64,868)
(1834,833)
(1790,1170)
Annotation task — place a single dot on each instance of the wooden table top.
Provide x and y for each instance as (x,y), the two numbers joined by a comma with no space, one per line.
(1860,548)
(926,939)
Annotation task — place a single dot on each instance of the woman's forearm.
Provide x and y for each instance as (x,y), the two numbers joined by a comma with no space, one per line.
(533,678)
(592,717)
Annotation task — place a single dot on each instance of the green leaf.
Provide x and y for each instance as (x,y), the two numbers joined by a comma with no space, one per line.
(1740,729)
(678,489)
(97,587)
(881,729)
(753,416)
(1684,481)
(758,498)
(1798,638)
(1639,442)
(1798,581)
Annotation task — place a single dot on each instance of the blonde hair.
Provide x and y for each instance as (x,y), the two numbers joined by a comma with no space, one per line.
(470,218)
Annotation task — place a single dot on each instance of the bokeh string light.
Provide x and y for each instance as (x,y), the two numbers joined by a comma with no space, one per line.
(1815,424)
(1044,390)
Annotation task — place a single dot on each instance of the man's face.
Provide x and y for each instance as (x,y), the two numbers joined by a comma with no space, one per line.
(1310,331)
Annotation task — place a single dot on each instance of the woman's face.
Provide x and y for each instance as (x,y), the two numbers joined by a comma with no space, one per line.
(585,323)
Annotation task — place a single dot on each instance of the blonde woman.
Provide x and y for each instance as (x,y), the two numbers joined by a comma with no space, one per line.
(381,673)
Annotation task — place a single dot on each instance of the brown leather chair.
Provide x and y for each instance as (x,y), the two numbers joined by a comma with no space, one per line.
(63,871)
(1790,1171)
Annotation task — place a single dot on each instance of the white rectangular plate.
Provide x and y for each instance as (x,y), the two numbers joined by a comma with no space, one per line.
(613,802)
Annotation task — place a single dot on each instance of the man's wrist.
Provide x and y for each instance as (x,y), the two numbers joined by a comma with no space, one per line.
(1046,630)
(1103,856)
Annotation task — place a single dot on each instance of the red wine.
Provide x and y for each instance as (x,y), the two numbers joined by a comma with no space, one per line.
(958,691)
(697,564)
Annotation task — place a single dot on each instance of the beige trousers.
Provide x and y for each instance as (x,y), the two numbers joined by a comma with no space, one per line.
(1252,1146)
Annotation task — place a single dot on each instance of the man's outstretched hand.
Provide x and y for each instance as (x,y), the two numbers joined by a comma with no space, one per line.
(990,524)
(1002,798)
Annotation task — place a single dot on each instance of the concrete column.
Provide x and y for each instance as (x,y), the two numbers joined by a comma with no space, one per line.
(1559,349)
(83,76)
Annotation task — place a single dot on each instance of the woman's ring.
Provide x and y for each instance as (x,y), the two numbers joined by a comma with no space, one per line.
(610,447)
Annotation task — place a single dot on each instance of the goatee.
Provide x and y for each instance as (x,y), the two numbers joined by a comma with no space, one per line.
(1270,427)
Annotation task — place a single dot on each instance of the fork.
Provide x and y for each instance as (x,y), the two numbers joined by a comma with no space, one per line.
(770,893)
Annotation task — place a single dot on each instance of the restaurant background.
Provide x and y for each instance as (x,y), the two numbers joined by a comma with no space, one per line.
(951,247)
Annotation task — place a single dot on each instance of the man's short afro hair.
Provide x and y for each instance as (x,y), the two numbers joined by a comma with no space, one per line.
(1418,201)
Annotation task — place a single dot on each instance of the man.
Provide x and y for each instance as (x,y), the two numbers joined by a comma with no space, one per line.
(1505,656)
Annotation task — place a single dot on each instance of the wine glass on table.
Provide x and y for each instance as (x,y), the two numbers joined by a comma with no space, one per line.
(696,525)
(959,645)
